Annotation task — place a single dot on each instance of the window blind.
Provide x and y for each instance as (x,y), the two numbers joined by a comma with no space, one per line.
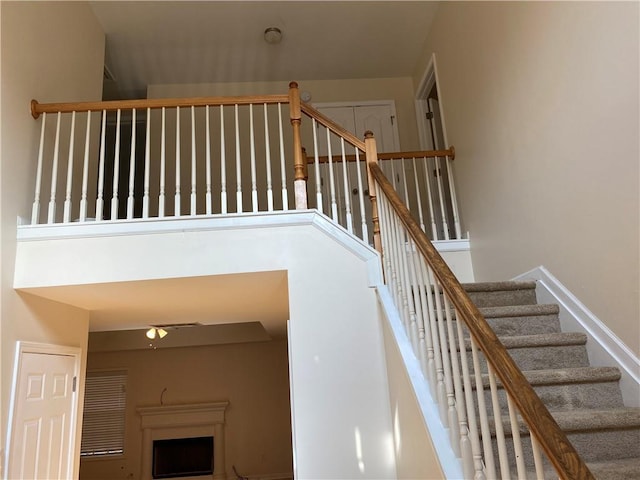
(104,414)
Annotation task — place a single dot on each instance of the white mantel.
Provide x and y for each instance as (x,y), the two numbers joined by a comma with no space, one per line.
(183,421)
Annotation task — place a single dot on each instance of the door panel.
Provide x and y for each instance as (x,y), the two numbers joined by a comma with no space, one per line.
(43,405)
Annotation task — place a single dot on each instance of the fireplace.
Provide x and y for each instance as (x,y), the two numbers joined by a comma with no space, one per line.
(183,441)
(182,457)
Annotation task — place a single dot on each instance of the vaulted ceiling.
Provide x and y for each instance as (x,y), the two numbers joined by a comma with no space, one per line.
(164,42)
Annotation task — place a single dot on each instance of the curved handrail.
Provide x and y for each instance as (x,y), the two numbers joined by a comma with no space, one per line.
(551,438)
(153,103)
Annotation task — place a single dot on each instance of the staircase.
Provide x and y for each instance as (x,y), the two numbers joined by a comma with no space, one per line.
(585,401)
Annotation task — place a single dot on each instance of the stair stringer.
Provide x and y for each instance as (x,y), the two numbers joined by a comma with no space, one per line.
(604,347)
(440,439)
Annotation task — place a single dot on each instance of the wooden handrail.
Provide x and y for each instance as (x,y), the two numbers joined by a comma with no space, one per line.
(112,105)
(542,425)
(331,125)
(450,152)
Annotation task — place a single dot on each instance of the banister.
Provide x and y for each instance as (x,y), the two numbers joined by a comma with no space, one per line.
(153,103)
(542,425)
(450,152)
(331,125)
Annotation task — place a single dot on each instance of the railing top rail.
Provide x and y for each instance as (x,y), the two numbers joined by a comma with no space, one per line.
(112,105)
(551,438)
(331,125)
(450,152)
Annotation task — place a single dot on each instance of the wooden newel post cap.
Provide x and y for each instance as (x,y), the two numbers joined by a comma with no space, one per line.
(368,134)
(293,85)
(34,106)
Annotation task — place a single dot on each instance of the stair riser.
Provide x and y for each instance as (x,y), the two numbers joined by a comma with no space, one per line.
(543,358)
(561,397)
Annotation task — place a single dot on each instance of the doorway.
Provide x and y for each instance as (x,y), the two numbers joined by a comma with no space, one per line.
(43,412)
(433,136)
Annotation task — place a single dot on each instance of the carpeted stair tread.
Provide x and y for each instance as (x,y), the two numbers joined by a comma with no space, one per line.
(624,469)
(519,311)
(566,375)
(540,340)
(585,420)
(498,286)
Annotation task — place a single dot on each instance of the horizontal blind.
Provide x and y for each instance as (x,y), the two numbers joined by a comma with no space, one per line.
(104,414)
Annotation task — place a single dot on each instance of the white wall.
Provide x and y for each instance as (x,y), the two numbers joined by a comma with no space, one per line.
(399,89)
(541,102)
(254,379)
(340,402)
(51,51)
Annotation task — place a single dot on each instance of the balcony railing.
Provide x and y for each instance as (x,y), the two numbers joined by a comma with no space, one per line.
(160,158)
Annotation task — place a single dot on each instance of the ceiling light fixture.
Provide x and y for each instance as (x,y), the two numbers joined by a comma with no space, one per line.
(154,331)
(273,35)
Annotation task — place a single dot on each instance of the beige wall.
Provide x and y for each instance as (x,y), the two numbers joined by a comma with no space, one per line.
(43,58)
(541,102)
(398,89)
(252,377)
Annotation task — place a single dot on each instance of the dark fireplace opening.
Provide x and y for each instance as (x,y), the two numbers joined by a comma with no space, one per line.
(182,457)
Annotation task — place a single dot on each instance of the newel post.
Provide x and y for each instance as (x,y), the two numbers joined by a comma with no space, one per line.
(371,153)
(299,163)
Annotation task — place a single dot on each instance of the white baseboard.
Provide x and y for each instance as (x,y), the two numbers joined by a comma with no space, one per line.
(603,346)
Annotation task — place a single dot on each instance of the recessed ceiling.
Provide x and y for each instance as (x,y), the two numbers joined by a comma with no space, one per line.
(209,300)
(169,42)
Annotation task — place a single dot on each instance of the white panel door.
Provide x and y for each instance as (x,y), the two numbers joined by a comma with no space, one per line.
(43,423)
(356,118)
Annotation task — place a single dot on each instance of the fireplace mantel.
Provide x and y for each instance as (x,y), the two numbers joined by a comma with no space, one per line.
(183,421)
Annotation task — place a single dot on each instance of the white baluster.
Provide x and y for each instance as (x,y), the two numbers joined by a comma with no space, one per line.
(517,442)
(51,217)
(238,169)
(193,160)
(443,211)
(476,452)
(132,166)
(418,297)
(347,199)
(537,458)
(177,200)
(116,169)
(363,215)
(503,458)
(317,166)
(85,170)
(434,228)
(163,159)
(450,403)
(434,361)
(490,466)
(454,201)
(332,186)
(100,199)
(252,143)
(223,165)
(283,168)
(208,161)
(147,167)
(418,195)
(268,161)
(35,210)
(463,432)
(66,216)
